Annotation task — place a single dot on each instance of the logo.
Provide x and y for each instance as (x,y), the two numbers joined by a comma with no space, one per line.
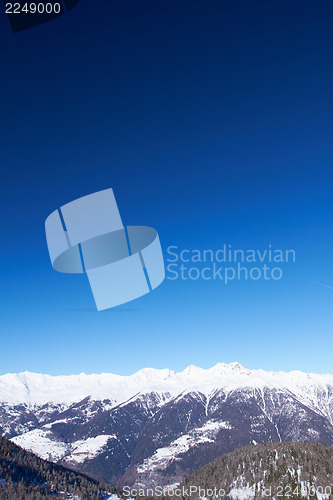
(87,236)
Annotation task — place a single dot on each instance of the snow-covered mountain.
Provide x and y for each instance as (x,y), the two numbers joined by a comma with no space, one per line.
(155,426)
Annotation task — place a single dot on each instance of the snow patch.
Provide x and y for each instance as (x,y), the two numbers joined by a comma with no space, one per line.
(163,456)
(43,444)
(245,493)
(87,449)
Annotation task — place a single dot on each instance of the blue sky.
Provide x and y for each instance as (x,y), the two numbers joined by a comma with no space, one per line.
(212,121)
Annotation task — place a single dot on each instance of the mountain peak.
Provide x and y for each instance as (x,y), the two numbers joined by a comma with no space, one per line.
(147,374)
(192,370)
(234,365)
(38,388)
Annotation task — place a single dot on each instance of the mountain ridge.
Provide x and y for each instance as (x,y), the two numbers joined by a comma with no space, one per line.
(41,388)
(157,426)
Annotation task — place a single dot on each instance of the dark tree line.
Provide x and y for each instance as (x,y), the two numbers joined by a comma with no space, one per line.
(276,467)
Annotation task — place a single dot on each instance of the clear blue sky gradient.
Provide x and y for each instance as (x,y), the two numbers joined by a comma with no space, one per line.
(213,122)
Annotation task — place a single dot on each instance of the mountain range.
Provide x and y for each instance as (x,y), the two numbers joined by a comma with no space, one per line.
(157,426)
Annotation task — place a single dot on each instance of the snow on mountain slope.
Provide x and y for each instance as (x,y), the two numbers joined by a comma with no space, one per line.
(163,456)
(155,426)
(86,449)
(43,444)
(37,388)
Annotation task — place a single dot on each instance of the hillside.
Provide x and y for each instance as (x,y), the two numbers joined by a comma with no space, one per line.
(24,476)
(156,427)
(271,471)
